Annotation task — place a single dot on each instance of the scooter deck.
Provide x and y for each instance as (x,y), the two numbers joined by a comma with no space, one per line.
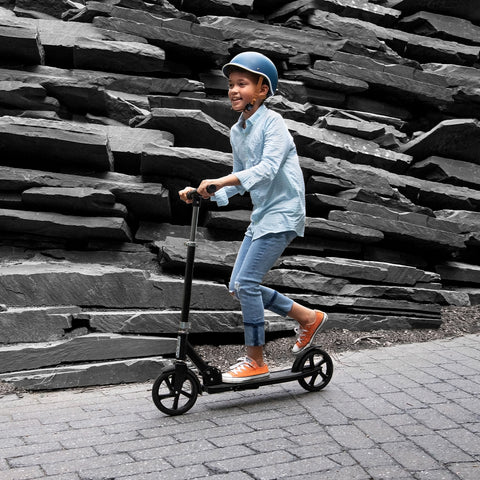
(279,376)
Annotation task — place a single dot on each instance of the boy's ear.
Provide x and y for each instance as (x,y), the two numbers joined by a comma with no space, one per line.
(264,90)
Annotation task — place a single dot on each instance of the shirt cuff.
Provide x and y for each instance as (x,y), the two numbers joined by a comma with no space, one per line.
(221,198)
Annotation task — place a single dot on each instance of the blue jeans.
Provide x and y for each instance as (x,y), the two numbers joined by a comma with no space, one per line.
(255,258)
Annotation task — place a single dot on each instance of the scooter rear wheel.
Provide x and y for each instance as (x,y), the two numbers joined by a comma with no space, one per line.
(319,363)
(173,401)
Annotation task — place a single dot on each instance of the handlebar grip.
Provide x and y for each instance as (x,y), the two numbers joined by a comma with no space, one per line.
(210,189)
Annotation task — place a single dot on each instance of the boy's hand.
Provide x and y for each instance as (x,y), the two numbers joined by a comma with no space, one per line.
(202,188)
(183,194)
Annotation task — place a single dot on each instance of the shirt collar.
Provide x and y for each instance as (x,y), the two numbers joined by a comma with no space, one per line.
(251,120)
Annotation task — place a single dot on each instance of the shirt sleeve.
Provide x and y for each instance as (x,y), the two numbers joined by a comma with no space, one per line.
(275,149)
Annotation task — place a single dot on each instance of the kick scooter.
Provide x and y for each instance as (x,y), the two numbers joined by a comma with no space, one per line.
(176,390)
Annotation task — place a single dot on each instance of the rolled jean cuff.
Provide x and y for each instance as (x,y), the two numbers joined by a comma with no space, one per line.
(254,334)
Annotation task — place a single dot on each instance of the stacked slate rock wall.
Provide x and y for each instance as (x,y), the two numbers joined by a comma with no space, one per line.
(108,108)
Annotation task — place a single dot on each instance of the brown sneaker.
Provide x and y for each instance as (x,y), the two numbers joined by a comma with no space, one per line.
(246,369)
(306,336)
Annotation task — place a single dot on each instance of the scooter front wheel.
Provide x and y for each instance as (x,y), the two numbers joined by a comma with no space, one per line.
(173,399)
(319,363)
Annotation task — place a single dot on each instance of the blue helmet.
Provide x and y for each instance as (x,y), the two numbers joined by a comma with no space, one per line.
(256,63)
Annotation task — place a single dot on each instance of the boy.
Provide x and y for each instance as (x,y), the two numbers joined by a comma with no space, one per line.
(265,163)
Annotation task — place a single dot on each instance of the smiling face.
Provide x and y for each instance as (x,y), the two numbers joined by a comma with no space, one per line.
(242,86)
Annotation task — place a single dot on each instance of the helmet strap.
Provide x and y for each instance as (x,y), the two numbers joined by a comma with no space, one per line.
(258,88)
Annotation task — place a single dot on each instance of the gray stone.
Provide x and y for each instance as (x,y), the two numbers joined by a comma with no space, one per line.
(22,96)
(34,283)
(448,170)
(191,128)
(466,220)
(191,164)
(301,280)
(147,322)
(218,254)
(55,143)
(239,8)
(378,272)
(144,200)
(60,38)
(462,8)
(409,233)
(319,143)
(424,295)
(376,75)
(441,26)
(169,37)
(100,373)
(35,324)
(79,201)
(128,144)
(456,138)
(85,348)
(220,110)
(52,224)
(459,272)
(115,56)
(342,230)
(19,42)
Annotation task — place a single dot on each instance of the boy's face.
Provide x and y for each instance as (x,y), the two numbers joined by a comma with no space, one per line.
(242,87)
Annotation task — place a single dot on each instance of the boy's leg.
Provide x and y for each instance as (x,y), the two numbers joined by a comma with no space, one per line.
(258,260)
(254,260)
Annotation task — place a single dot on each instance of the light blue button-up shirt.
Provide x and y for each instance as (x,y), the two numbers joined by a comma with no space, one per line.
(266,163)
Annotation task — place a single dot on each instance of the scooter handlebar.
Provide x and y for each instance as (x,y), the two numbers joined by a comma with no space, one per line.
(192,193)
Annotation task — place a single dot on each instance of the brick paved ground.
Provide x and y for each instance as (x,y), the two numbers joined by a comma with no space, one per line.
(402,412)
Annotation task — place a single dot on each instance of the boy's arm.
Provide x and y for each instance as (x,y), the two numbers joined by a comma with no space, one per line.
(227,186)
(276,146)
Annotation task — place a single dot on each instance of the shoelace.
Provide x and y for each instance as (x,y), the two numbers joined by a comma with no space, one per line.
(242,364)
(301,332)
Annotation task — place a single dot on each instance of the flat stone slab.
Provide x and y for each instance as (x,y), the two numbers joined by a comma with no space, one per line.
(77,201)
(317,142)
(460,272)
(108,286)
(35,324)
(121,57)
(55,143)
(85,348)
(457,138)
(91,374)
(191,128)
(160,322)
(143,199)
(448,170)
(19,41)
(403,231)
(185,162)
(51,224)
(379,272)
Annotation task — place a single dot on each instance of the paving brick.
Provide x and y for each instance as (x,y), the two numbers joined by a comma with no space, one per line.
(242,438)
(465,471)
(378,431)
(293,468)
(441,449)
(24,473)
(467,441)
(209,455)
(252,461)
(349,436)
(372,457)
(409,456)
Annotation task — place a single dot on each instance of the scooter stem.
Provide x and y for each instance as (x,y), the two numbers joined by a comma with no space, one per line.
(181,352)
